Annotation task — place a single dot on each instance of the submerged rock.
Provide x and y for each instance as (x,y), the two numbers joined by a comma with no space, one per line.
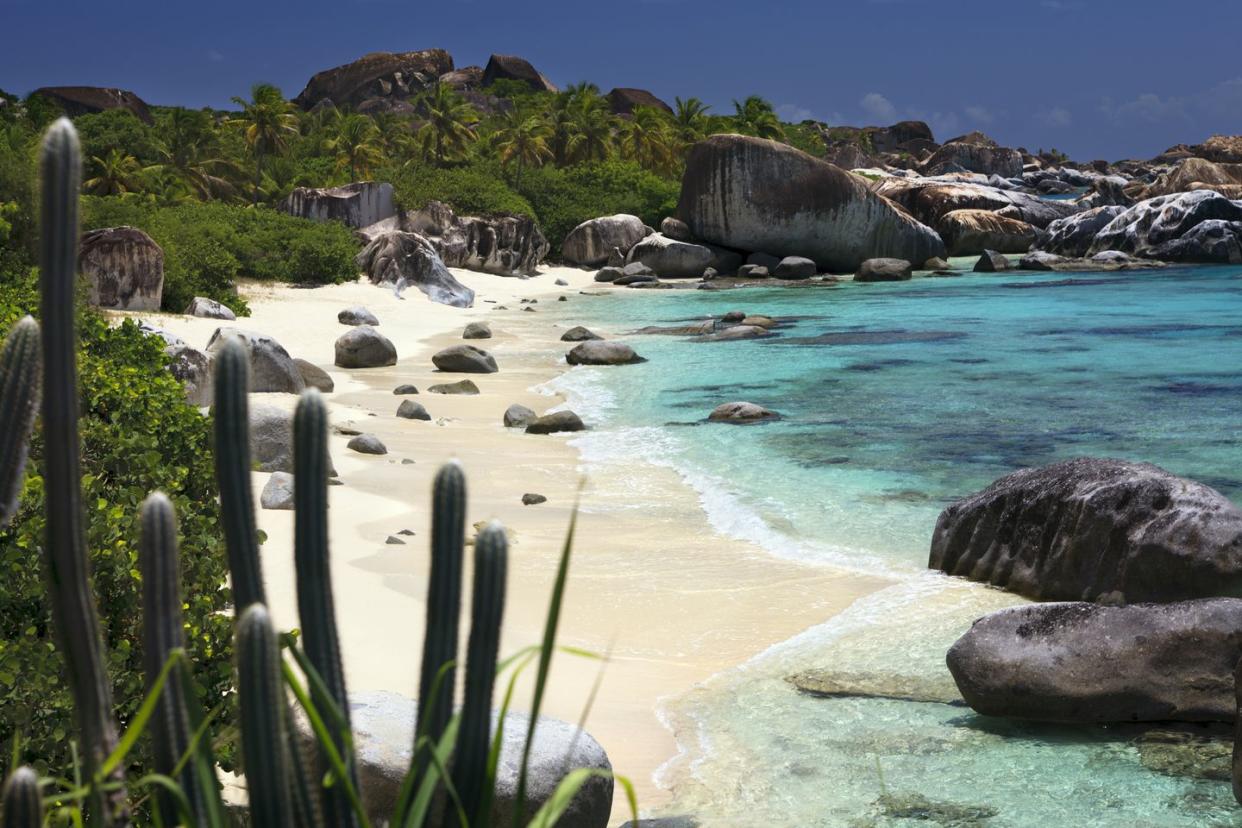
(555,422)
(602,352)
(835,684)
(1083,662)
(1092,528)
(884,270)
(741,413)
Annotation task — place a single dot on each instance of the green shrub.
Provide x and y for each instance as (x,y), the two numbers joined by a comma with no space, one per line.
(138,434)
(118,129)
(478,188)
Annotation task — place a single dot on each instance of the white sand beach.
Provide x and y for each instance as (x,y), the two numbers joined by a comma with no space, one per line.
(651,582)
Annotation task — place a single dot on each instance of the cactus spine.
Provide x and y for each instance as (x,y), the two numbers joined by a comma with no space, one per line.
(73,605)
(19,398)
(261,692)
(232,433)
(314,582)
(21,803)
(474,736)
(448,523)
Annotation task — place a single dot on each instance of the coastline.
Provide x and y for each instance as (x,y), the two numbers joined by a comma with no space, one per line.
(652,583)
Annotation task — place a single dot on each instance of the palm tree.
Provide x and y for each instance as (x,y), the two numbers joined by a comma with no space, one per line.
(524,139)
(755,116)
(565,136)
(356,145)
(268,123)
(645,138)
(448,123)
(116,173)
(690,117)
(189,152)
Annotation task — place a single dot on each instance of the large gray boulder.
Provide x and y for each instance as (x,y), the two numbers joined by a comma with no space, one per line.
(602,352)
(1211,242)
(377,77)
(973,155)
(193,368)
(590,243)
(795,267)
(314,376)
(1083,662)
(271,438)
(271,367)
(514,68)
(364,347)
(124,269)
(670,258)
(884,270)
(929,200)
(1073,235)
(1090,529)
(383,727)
(517,415)
(464,359)
(970,232)
(209,309)
(1156,221)
(554,423)
(506,245)
(399,259)
(358,205)
(754,194)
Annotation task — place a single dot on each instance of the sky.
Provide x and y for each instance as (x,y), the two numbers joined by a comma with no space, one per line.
(1094,78)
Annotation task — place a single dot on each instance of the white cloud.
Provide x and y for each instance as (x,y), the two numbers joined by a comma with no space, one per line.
(214,56)
(979,114)
(879,107)
(792,113)
(1057,116)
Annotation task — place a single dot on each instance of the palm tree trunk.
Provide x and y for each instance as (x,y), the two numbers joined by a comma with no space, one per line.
(258,176)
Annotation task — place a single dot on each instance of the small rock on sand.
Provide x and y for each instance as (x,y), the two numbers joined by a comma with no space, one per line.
(367,444)
(460,387)
(531,499)
(405,389)
(278,492)
(579,334)
(518,415)
(465,359)
(555,422)
(393,540)
(477,330)
(411,410)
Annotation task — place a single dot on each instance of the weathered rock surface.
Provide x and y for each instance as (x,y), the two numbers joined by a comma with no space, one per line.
(314,376)
(405,389)
(1083,662)
(602,352)
(555,422)
(87,100)
(271,439)
(980,156)
(464,359)
(1198,174)
(124,268)
(367,444)
(929,200)
(512,67)
(517,415)
(477,330)
(795,267)
(1156,221)
(359,204)
(970,232)
(506,245)
(533,499)
(464,79)
(884,270)
(410,410)
(677,229)
(609,274)
(192,368)
(357,315)
(401,259)
(753,194)
(670,258)
(1073,235)
(271,367)
(1210,242)
(741,412)
(461,387)
(837,684)
(364,347)
(990,261)
(277,492)
(386,76)
(1090,529)
(590,243)
(209,309)
(383,726)
(579,334)
(623,100)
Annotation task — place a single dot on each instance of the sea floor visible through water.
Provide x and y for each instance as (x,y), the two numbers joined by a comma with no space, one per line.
(898,399)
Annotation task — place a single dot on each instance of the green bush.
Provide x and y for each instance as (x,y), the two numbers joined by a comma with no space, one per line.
(138,434)
(208,246)
(119,129)
(477,188)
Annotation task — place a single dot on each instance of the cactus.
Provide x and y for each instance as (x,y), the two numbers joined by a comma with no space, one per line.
(487,607)
(22,803)
(19,398)
(232,434)
(175,719)
(448,523)
(73,605)
(261,692)
(314,581)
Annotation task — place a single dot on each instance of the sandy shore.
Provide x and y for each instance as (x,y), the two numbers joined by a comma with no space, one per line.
(651,583)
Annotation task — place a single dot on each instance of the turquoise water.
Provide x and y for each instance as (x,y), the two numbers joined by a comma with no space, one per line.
(897,399)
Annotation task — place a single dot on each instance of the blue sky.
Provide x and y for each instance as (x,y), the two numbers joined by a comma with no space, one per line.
(1095,78)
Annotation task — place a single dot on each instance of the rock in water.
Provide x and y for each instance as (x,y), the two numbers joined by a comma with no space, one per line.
(1212,241)
(359,204)
(601,352)
(277,492)
(364,347)
(670,258)
(1082,662)
(410,410)
(517,415)
(357,315)
(477,330)
(741,412)
(753,194)
(1090,529)
(464,359)
(314,376)
(209,309)
(975,154)
(991,262)
(579,334)
(1073,235)
(124,268)
(795,267)
(592,242)
(1157,221)
(399,258)
(884,270)
(555,422)
(970,232)
(271,367)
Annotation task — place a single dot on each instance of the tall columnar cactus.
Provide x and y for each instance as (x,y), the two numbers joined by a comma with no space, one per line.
(19,398)
(232,435)
(474,735)
(73,604)
(314,582)
(261,693)
(21,804)
(448,524)
(175,718)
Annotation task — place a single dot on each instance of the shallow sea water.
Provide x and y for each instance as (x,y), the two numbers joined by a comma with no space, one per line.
(897,399)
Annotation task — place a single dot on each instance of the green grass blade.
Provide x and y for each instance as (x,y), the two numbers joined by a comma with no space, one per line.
(563,796)
(142,718)
(419,808)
